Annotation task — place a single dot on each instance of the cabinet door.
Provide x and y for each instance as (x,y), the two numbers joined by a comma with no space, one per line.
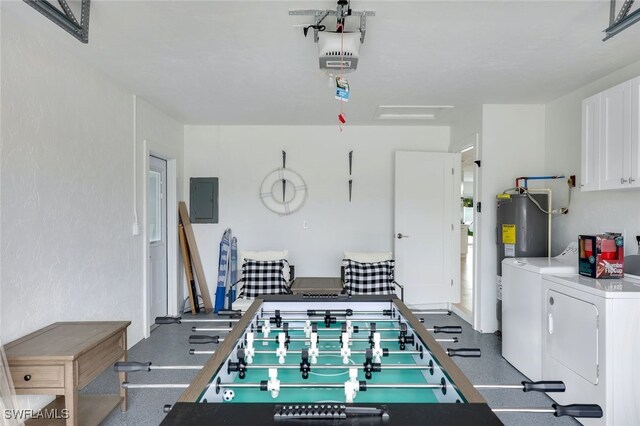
(615,132)
(589,180)
(634,143)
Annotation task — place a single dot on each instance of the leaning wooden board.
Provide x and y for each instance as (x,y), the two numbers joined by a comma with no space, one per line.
(195,257)
(186,261)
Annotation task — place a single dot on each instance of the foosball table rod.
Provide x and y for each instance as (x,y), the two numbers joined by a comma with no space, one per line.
(127,385)
(573,410)
(299,351)
(462,352)
(133,366)
(350,312)
(432,312)
(451,329)
(334,319)
(525,386)
(180,320)
(363,385)
(332,312)
(202,339)
(197,352)
(454,329)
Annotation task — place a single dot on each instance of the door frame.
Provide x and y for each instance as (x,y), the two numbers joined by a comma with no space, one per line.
(159,165)
(173,295)
(473,140)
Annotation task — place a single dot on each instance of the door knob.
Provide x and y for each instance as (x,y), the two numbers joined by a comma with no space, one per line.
(401,236)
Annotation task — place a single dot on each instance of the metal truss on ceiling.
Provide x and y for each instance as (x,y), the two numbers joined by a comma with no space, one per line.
(64,16)
(342,11)
(622,20)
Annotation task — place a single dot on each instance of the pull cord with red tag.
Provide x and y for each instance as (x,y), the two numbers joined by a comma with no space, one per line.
(341,117)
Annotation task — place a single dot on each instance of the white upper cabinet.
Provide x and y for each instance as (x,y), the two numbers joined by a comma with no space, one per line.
(611,138)
(590,143)
(634,175)
(615,135)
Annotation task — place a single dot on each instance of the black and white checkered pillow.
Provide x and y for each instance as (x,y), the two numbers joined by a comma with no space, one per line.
(261,277)
(368,278)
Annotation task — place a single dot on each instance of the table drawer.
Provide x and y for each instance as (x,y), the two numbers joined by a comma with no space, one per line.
(49,376)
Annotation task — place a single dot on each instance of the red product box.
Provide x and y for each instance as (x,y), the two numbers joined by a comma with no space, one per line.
(601,256)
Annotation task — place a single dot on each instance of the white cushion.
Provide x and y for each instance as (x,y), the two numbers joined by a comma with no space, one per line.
(241,304)
(263,255)
(368,257)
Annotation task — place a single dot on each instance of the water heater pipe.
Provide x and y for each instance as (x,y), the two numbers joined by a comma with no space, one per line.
(546,191)
(528,178)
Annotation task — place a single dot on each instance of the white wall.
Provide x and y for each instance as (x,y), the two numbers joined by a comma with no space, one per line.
(590,212)
(1,85)
(67,249)
(512,145)
(242,156)
(68,252)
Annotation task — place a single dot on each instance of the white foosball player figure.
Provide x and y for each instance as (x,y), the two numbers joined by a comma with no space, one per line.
(273,385)
(249,350)
(376,350)
(281,352)
(266,329)
(345,350)
(313,348)
(308,328)
(349,328)
(351,386)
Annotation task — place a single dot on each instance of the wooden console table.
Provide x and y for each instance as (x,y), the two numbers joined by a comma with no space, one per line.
(316,285)
(63,358)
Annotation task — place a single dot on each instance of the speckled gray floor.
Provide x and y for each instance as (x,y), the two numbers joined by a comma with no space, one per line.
(168,345)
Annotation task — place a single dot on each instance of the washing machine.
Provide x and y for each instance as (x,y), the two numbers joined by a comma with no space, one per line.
(522,307)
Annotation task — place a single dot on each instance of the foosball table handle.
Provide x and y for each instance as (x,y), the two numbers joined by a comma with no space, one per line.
(168,320)
(230,313)
(578,410)
(464,352)
(452,329)
(166,408)
(544,386)
(199,339)
(131,366)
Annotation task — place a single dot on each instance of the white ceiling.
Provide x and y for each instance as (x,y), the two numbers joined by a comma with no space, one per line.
(244,63)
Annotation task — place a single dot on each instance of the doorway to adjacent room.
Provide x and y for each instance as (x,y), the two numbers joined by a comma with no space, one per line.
(157,234)
(467,227)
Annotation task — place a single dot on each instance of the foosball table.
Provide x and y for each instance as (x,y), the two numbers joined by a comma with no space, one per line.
(335,360)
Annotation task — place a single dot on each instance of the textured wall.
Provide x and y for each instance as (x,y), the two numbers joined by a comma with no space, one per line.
(242,156)
(67,181)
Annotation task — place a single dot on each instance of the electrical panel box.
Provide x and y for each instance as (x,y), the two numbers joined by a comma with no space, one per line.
(203,200)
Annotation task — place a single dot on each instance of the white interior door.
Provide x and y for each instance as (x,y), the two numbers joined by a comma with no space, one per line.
(157,233)
(427,230)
